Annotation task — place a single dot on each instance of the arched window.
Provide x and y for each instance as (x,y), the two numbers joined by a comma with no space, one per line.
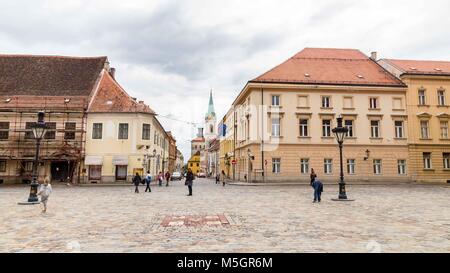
(211,128)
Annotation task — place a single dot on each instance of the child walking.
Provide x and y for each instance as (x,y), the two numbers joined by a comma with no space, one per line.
(44,191)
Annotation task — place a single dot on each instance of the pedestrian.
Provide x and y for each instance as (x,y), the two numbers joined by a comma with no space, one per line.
(189,181)
(44,191)
(217,178)
(312,177)
(160,178)
(136,181)
(318,189)
(223,177)
(148,180)
(167,176)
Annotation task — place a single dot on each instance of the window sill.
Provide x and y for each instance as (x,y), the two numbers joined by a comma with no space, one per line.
(423,105)
(443,106)
(376,138)
(303,107)
(276,136)
(445,139)
(351,109)
(429,170)
(304,137)
(399,110)
(400,138)
(428,139)
(329,137)
(374,109)
(350,138)
(326,108)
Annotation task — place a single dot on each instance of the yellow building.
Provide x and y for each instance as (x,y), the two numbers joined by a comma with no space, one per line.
(194,163)
(428,110)
(284,120)
(226,152)
(123,136)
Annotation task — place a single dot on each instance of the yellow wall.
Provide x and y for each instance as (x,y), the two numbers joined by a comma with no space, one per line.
(194,163)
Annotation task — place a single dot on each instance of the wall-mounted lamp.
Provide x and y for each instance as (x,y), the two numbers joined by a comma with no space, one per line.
(367,155)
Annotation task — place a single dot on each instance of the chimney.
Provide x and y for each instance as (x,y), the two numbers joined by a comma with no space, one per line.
(141,102)
(135,99)
(373,55)
(112,72)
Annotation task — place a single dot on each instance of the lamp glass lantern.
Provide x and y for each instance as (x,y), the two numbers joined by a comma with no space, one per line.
(340,132)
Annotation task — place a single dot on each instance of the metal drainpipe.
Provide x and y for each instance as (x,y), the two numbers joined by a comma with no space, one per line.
(262,134)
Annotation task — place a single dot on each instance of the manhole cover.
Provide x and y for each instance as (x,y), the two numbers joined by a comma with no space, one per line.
(195,220)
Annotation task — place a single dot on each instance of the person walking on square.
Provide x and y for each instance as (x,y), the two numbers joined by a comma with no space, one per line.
(44,191)
(167,176)
(160,178)
(312,177)
(318,189)
(217,178)
(148,180)
(223,178)
(136,181)
(189,181)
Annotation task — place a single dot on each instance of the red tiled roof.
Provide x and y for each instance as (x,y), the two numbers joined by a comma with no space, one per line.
(49,75)
(330,66)
(421,67)
(198,139)
(111,98)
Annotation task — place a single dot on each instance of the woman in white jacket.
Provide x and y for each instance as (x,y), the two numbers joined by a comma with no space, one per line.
(44,191)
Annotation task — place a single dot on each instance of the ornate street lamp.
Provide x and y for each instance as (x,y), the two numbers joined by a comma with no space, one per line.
(340,132)
(39,129)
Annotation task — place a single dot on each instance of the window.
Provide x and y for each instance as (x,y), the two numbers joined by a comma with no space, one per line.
(446,158)
(427,161)
(326,128)
(123,130)
(424,132)
(121,172)
(198,164)
(349,125)
(375,128)
(276,127)
(304,165)
(373,103)
(29,127)
(328,166)
(444,129)
(275,100)
(303,127)
(422,97)
(154,138)
(350,166)
(146,131)
(401,166)
(51,130)
(348,103)
(398,129)
(4,130)
(441,97)
(377,166)
(28,166)
(326,102)
(276,165)
(97,130)
(95,171)
(2,166)
(69,128)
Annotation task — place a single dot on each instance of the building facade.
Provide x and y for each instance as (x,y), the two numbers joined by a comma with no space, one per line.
(428,108)
(172,152)
(194,163)
(285,117)
(227,145)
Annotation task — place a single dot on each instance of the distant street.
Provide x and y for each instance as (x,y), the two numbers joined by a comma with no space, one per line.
(227,219)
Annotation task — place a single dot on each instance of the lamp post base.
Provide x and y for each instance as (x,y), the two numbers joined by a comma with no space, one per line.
(343,200)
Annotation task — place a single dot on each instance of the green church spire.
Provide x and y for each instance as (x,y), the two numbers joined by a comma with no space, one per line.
(211,112)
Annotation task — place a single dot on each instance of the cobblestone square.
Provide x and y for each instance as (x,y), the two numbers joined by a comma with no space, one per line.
(384,218)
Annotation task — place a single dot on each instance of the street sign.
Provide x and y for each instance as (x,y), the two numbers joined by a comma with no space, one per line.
(233,161)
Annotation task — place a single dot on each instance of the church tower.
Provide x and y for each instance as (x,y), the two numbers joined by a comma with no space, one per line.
(210,120)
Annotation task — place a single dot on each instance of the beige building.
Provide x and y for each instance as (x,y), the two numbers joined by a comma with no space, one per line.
(227,145)
(284,120)
(123,136)
(428,110)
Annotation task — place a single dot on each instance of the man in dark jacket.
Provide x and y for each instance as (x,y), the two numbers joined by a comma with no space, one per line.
(136,181)
(167,176)
(189,181)
(318,189)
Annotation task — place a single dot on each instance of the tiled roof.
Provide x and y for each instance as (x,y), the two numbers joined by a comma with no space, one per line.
(49,75)
(43,102)
(111,98)
(421,67)
(198,139)
(330,66)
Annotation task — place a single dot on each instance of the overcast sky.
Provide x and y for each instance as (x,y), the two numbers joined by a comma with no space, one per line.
(172,53)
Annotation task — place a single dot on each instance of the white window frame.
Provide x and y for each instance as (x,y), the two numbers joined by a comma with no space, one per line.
(441,97)
(399,130)
(304,130)
(401,166)
(427,161)
(351,166)
(326,102)
(422,97)
(425,130)
(377,166)
(276,165)
(276,127)
(304,166)
(444,129)
(375,129)
(351,132)
(328,166)
(276,100)
(446,161)
(373,103)
(326,128)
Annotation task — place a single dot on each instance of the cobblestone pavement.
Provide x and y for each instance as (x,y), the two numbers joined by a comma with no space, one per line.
(397,218)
